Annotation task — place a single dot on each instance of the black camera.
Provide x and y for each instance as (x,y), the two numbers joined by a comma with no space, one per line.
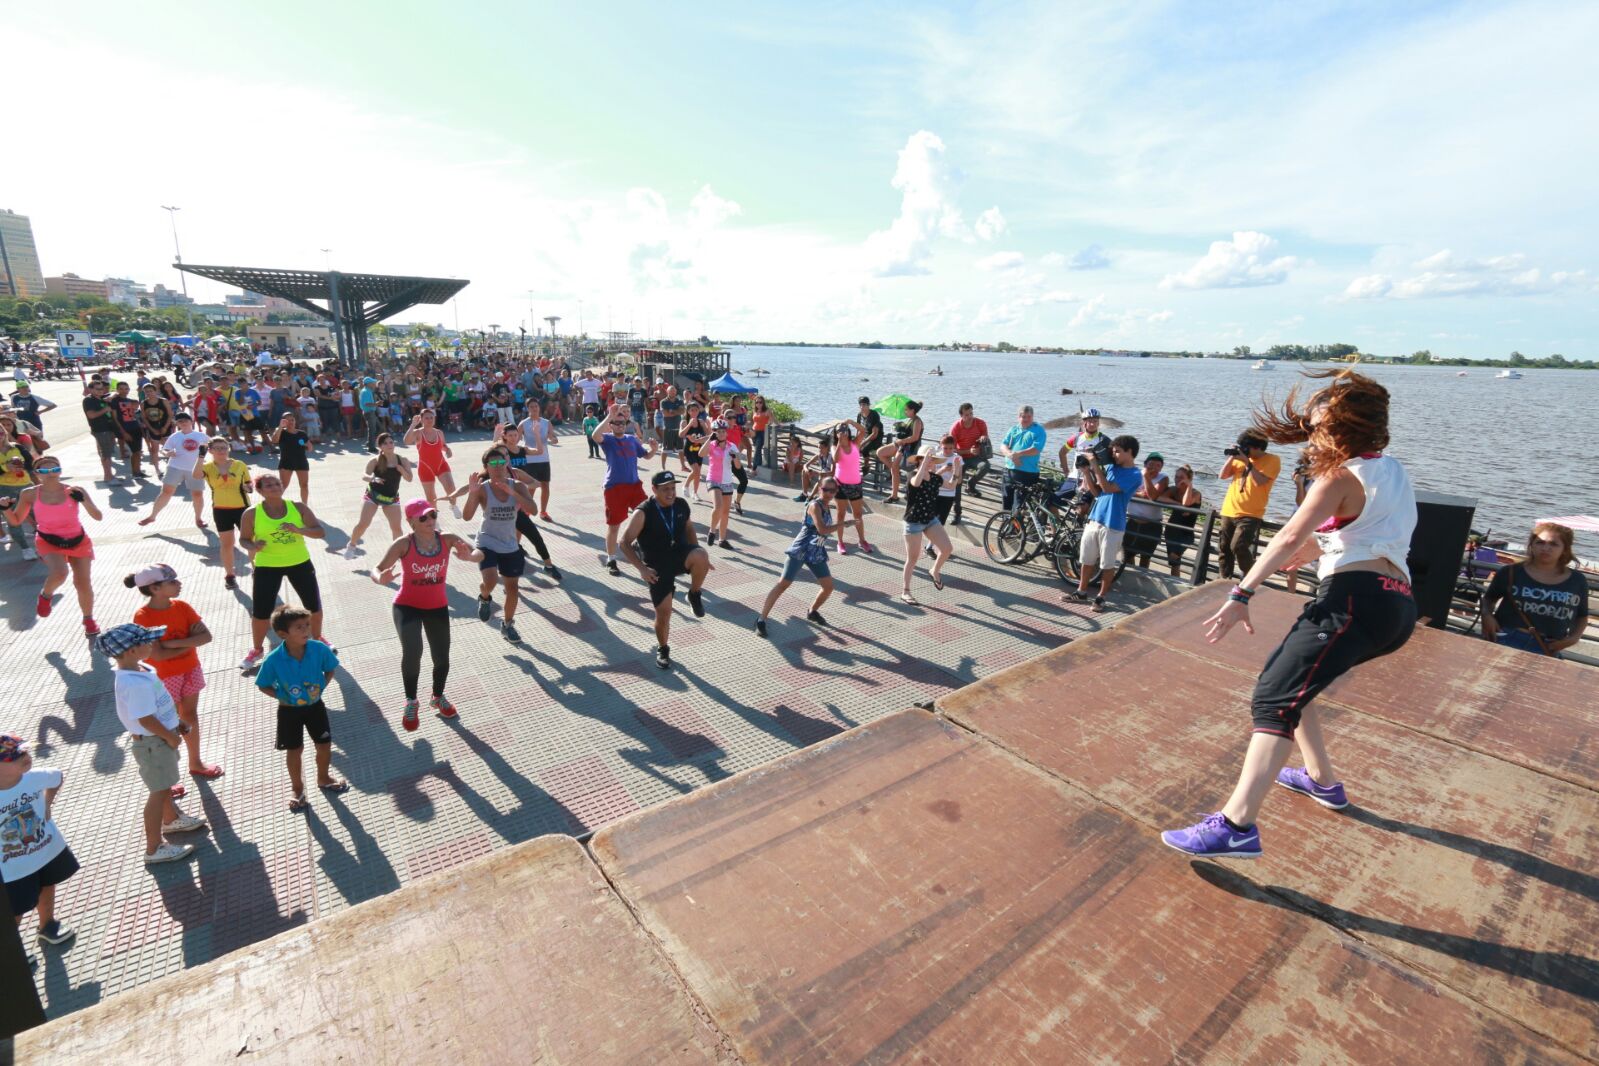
(1235,452)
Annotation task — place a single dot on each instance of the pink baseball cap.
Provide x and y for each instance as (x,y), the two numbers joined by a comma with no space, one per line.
(418,507)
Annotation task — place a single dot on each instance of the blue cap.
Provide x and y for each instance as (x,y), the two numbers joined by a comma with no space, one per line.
(1092,412)
(119,639)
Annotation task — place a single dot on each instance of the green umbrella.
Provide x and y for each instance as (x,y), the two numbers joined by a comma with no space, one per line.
(892,405)
(136,337)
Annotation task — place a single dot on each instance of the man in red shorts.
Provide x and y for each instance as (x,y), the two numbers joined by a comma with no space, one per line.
(618,438)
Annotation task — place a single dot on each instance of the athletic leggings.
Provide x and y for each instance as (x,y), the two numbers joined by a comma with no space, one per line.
(742,478)
(412,623)
(525,526)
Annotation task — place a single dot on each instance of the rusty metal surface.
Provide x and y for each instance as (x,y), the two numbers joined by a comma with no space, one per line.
(1536,712)
(910,892)
(525,955)
(1474,869)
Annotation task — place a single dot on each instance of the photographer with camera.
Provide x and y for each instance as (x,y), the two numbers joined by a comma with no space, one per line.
(1251,469)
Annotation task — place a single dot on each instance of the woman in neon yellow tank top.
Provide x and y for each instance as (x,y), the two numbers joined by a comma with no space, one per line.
(274,532)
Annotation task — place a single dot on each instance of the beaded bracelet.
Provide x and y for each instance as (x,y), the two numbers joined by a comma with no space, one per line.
(1239,594)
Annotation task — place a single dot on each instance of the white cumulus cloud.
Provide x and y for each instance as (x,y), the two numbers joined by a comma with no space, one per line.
(1445,273)
(927,210)
(708,210)
(1244,261)
(990,224)
(1002,261)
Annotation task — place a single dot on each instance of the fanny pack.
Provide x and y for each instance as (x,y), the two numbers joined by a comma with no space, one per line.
(64,543)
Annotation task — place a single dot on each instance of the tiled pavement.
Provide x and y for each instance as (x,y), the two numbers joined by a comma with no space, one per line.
(564,732)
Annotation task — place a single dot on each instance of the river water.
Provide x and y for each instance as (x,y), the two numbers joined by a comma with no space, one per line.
(1516,447)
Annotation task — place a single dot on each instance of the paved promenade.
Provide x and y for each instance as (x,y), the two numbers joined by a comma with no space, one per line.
(562,733)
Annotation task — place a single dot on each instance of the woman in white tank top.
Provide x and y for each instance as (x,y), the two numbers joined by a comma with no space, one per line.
(1356,520)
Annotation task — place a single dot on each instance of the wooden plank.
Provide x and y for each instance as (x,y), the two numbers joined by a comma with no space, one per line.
(524,955)
(1465,866)
(909,892)
(1535,712)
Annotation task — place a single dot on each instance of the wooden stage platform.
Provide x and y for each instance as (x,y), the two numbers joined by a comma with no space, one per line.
(985,884)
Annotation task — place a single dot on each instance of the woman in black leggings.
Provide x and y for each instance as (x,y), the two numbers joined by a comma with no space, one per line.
(421,607)
(511,441)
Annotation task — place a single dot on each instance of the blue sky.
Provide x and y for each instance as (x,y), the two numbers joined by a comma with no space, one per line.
(1133,174)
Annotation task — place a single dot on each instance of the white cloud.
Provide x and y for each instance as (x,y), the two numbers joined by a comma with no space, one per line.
(1244,261)
(1097,312)
(1002,261)
(1445,273)
(710,210)
(990,224)
(1091,258)
(927,210)
(1052,259)
(1058,296)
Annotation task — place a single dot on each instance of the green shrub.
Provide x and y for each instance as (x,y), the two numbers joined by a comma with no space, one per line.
(782,412)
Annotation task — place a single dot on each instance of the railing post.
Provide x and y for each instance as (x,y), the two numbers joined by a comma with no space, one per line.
(1202,556)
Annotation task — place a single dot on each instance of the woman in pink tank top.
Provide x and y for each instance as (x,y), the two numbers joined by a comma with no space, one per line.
(61,540)
(421,607)
(847,472)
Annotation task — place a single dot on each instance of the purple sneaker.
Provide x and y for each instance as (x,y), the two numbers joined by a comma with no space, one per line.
(1214,839)
(1298,779)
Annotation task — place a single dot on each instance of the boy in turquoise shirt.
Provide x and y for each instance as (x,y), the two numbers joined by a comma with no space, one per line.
(296,673)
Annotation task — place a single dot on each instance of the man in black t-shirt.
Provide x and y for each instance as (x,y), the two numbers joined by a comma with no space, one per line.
(102,418)
(872,426)
(667,546)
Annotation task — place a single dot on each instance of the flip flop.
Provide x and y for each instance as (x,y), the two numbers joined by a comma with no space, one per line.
(299,803)
(938,583)
(207,771)
(335,787)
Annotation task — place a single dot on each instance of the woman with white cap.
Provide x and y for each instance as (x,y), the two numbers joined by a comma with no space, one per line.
(421,607)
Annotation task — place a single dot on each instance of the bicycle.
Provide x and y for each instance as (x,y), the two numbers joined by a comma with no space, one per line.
(1032,528)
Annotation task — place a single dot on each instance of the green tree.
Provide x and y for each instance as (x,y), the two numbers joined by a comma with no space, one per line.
(1241,352)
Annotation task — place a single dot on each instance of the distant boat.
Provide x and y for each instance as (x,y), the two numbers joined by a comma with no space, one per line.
(1263,364)
(1460,373)
(937,372)
(1509,375)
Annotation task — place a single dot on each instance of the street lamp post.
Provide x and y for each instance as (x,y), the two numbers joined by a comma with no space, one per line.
(183,279)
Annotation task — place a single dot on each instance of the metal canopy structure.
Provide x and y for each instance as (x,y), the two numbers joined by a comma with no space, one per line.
(354,302)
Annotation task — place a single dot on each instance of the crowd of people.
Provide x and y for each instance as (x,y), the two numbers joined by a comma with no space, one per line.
(688,444)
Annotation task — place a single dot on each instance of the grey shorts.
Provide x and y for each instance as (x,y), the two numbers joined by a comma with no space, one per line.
(179,479)
(107,443)
(157,761)
(921,527)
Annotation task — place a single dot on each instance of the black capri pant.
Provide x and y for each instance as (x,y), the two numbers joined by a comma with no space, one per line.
(525,526)
(267,580)
(412,624)
(1356,616)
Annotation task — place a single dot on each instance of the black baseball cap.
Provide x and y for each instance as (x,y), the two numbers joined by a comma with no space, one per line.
(664,477)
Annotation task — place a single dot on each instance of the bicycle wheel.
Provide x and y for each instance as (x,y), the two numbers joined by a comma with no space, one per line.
(1066,552)
(1005,537)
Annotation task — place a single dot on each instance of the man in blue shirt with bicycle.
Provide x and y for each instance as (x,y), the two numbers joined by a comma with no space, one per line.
(1022,448)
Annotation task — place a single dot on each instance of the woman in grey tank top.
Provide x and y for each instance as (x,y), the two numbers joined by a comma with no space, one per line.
(503,559)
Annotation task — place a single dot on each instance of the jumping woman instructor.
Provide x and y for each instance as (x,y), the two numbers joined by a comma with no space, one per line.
(422,604)
(432,456)
(1358,518)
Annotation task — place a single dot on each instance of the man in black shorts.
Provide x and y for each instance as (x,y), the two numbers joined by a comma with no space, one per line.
(103,425)
(666,547)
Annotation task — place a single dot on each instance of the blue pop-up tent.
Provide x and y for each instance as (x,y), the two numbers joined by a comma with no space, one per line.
(728,383)
(185,340)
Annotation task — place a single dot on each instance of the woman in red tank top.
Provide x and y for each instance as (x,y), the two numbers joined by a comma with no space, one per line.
(432,457)
(421,607)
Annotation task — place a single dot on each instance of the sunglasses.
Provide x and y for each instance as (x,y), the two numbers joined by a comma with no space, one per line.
(495,462)
(825,491)
(47,470)
(1541,543)
(427,516)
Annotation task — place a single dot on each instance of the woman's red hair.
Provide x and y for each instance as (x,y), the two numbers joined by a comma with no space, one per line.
(1354,422)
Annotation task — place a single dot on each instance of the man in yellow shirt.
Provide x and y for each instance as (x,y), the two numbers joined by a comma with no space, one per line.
(1251,470)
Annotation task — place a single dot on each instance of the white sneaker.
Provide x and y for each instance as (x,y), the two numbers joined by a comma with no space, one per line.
(29,554)
(186,823)
(169,852)
(454,509)
(350,550)
(251,660)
